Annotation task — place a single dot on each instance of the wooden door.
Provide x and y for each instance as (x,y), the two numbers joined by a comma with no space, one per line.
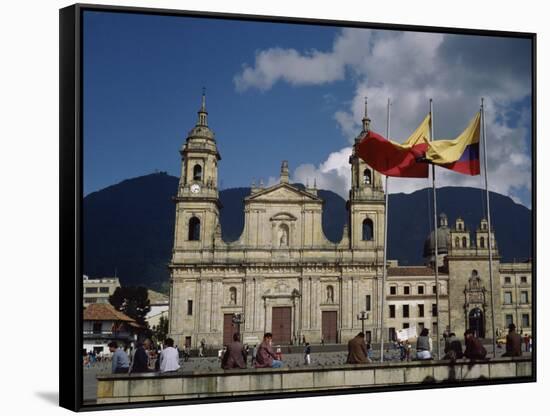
(281,325)
(329,327)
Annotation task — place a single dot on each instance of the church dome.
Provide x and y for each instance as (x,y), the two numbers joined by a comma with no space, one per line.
(200,132)
(443,239)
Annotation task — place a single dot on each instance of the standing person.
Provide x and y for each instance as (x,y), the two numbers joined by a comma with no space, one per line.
(186,353)
(157,358)
(307,354)
(254,353)
(513,342)
(278,353)
(474,349)
(201,348)
(265,356)
(119,362)
(140,364)
(453,348)
(526,341)
(369,352)
(169,357)
(235,355)
(401,346)
(304,340)
(423,347)
(357,350)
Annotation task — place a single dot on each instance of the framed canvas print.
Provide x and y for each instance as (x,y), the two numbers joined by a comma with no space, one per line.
(260,207)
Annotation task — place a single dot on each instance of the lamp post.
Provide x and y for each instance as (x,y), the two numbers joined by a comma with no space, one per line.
(362,316)
(238,319)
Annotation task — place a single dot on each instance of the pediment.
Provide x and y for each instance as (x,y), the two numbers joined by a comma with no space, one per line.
(283,216)
(283,192)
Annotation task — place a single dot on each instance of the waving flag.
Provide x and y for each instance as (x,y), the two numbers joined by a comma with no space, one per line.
(461,154)
(394,159)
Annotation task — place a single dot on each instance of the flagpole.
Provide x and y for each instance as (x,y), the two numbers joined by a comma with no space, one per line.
(436,249)
(490,228)
(384,271)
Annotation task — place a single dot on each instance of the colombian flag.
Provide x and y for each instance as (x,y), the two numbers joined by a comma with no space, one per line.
(461,154)
(394,159)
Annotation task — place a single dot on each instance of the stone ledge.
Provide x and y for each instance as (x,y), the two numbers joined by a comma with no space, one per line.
(122,388)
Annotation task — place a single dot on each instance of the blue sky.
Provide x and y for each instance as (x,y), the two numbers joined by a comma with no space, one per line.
(294,92)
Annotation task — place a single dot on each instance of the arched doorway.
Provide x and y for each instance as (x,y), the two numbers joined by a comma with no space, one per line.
(476,322)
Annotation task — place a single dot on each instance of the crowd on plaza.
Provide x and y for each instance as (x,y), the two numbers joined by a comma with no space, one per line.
(148,357)
(453,350)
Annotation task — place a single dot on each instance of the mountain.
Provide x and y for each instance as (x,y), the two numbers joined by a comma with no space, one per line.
(128,227)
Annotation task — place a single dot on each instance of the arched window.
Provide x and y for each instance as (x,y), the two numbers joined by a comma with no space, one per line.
(367,177)
(464,242)
(460,226)
(457,242)
(233,296)
(482,242)
(197,173)
(194,229)
(330,294)
(368,230)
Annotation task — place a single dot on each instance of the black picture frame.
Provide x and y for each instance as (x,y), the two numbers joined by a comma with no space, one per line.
(71,197)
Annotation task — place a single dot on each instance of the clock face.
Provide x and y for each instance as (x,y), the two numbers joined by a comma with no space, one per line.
(195,188)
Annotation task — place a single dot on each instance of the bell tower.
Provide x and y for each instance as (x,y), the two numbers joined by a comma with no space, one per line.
(197,200)
(366,204)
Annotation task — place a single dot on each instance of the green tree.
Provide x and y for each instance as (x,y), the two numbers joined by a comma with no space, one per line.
(132,301)
(160,331)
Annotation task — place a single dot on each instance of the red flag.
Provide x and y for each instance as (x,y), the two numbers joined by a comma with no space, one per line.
(392,159)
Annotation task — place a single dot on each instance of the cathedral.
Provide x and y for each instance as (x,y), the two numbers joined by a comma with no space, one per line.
(282,275)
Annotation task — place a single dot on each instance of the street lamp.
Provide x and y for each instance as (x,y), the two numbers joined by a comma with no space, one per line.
(362,316)
(238,319)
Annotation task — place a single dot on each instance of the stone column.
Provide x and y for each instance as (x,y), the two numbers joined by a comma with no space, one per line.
(209,300)
(202,306)
(305,302)
(259,315)
(248,306)
(316,307)
(216,308)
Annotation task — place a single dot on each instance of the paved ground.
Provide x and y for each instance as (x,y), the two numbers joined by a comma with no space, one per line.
(336,356)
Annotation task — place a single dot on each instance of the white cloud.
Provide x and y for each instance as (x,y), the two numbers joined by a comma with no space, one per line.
(410,68)
(333,174)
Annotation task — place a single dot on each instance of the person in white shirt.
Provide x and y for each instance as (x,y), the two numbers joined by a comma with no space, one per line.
(169,357)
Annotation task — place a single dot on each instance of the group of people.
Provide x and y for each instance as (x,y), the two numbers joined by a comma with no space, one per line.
(358,349)
(145,358)
(263,356)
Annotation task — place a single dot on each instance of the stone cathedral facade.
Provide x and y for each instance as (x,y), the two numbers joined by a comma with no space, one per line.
(284,276)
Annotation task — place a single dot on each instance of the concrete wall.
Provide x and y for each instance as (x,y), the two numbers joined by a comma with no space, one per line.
(149,387)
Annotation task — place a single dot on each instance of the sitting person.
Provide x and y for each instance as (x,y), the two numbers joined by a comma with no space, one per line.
(474,349)
(169,357)
(119,362)
(265,357)
(235,355)
(453,348)
(357,350)
(140,364)
(424,346)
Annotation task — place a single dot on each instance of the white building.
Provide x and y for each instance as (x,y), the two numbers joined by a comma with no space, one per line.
(102,323)
(98,290)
